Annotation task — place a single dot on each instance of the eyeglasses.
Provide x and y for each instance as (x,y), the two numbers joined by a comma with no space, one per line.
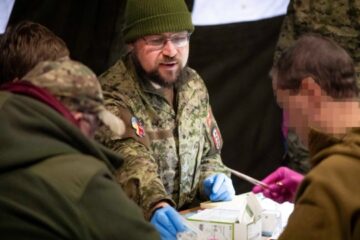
(158,41)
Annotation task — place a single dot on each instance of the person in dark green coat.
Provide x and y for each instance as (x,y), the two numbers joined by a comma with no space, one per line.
(56,182)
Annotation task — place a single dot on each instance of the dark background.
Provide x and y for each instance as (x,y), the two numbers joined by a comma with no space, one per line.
(234,60)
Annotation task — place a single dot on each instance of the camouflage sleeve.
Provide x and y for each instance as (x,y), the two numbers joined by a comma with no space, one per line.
(287,34)
(211,162)
(138,176)
(297,153)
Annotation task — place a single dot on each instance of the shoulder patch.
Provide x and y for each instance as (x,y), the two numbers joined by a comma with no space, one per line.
(138,126)
(216,137)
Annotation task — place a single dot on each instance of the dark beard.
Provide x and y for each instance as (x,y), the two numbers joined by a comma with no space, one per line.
(155,77)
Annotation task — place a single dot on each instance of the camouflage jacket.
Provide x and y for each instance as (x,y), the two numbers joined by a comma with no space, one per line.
(167,153)
(339,20)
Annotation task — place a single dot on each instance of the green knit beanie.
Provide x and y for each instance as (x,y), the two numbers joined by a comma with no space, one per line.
(147,17)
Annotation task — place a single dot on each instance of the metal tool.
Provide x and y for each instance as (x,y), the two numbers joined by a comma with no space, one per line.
(248,178)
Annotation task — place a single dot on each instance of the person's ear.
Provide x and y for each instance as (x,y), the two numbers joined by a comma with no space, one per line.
(309,87)
(83,124)
(129,47)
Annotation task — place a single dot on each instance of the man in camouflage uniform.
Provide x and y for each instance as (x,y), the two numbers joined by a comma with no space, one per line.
(56,182)
(338,20)
(172,142)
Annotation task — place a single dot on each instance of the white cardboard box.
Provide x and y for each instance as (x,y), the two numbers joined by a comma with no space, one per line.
(239,219)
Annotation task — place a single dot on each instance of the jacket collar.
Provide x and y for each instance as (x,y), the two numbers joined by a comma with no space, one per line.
(322,145)
(40,94)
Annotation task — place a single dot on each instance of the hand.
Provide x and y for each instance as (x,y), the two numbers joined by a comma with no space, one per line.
(283,183)
(168,222)
(219,187)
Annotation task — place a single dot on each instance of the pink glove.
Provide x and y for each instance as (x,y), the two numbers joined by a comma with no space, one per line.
(283,183)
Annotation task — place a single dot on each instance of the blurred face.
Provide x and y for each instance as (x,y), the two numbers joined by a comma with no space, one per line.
(162,57)
(295,108)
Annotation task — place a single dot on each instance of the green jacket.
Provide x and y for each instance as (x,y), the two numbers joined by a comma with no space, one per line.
(167,153)
(57,184)
(327,205)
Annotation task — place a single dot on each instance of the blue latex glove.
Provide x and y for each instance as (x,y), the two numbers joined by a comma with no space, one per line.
(168,222)
(219,187)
